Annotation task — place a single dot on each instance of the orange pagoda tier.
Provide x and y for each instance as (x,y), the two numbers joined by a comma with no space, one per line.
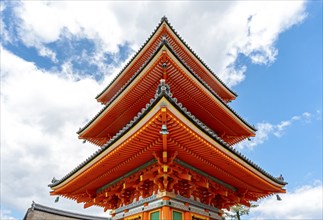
(166,136)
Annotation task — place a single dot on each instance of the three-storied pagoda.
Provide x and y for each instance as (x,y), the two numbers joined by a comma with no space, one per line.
(166,136)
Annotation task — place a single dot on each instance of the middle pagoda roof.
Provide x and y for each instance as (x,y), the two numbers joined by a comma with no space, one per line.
(187,86)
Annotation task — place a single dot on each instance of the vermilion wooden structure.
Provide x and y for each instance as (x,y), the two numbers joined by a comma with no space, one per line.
(166,136)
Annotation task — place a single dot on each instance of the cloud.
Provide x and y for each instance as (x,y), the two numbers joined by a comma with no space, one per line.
(46,52)
(40,112)
(6,215)
(218,31)
(265,129)
(305,202)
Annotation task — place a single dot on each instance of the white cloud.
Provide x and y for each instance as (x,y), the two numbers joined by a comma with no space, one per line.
(40,112)
(6,215)
(282,126)
(45,22)
(305,202)
(46,52)
(217,31)
(265,130)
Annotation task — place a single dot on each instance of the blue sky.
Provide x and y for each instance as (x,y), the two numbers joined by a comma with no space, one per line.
(289,87)
(57,56)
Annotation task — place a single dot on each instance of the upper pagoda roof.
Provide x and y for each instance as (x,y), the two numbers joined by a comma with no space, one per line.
(165,30)
(133,145)
(186,85)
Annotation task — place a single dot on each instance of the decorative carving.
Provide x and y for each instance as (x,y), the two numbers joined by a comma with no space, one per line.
(167,177)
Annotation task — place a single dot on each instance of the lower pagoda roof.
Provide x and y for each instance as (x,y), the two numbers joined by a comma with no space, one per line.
(195,145)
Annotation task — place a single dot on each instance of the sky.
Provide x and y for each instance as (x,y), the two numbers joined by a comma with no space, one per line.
(56,56)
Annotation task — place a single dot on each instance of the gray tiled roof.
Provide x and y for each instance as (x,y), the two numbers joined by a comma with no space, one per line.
(58,212)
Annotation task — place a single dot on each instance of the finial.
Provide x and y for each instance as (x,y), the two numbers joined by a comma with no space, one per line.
(33,205)
(164,18)
(281,178)
(54,180)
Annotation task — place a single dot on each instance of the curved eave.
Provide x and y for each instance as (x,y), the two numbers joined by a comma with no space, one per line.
(140,59)
(140,123)
(213,94)
(231,94)
(127,91)
(117,98)
(135,58)
(216,141)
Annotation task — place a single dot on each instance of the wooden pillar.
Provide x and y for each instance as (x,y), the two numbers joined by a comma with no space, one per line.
(187,215)
(145,215)
(166,215)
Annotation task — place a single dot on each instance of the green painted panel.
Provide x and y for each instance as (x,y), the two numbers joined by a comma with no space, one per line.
(177,215)
(154,216)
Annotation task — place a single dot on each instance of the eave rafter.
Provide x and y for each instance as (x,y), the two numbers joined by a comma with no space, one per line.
(107,165)
(197,148)
(187,56)
(205,103)
(121,109)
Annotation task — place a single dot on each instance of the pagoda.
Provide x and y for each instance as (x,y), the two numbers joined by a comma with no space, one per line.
(166,137)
